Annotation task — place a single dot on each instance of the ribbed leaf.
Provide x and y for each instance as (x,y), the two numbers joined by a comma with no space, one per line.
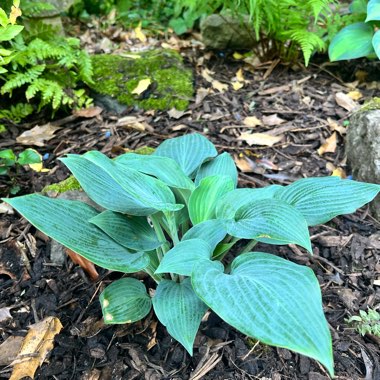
(211,231)
(220,165)
(164,168)
(125,301)
(118,188)
(232,201)
(9,32)
(182,257)
(321,199)
(189,151)
(132,232)
(203,200)
(67,222)
(353,41)
(373,10)
(376,43)
(270,221)
(271,299)
(180,310)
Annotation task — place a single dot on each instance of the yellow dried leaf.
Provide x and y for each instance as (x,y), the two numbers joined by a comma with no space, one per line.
(244,164)
(35,347)
(206,74)
(272,120)
(252,121)
(221,87)
(237,85)
(329,146)
(334,126)
(355,95)
(240,75)
(345,101)
(339,172)
(39,168)
(260,139)
(15,12)
(139,33)
(238,56)
(142,86)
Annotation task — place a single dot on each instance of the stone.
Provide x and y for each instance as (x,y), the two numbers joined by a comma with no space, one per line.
(116,76)
(227,32)
(363,147)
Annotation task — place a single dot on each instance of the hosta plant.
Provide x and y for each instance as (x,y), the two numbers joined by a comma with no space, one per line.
(359,39)
(175,214)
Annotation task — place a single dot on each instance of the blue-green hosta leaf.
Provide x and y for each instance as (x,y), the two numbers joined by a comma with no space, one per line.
(180,310)
(67,222)
(270,221)
(118,188)
(203,200)
(376,43)
(189,151)
(183,256)
(353,41)
(228,205)
(125,301)
(373,10)
(132,232)
(220,165)
(212,231)
(164,168)
(268,298)
(321,199)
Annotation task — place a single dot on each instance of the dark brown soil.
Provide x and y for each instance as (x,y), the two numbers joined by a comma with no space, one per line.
(346,250)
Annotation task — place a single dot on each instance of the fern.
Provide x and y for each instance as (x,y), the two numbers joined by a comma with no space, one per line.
(19,79)
(17,112)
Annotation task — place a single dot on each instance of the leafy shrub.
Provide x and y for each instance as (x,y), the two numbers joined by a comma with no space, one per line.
(366,322)
(188,193)
(359,39)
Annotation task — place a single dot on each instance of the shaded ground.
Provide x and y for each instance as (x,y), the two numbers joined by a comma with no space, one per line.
(346,250)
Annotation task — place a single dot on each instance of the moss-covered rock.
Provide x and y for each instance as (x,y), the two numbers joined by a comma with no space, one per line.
(371,105)
(117,76)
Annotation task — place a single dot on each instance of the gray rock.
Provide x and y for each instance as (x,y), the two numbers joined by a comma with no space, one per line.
(363,149)
(227,32)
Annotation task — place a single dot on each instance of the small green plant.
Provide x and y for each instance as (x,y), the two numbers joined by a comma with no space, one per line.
(10,164)
(175,214)
(359,39)
(366,322)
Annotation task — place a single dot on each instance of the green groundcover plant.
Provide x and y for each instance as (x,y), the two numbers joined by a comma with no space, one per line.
(175,214)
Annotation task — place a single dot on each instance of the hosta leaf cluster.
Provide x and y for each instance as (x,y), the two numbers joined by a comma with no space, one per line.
(175,215)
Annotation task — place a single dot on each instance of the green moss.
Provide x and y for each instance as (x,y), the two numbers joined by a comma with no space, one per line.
(69,183)
(171,83)
(373,104)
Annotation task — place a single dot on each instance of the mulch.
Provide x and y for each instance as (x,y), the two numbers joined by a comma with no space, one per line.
(346,250)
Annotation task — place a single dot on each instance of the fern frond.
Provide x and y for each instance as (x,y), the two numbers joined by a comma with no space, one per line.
(85,67)
(19,79)
(17,112)
(50,92)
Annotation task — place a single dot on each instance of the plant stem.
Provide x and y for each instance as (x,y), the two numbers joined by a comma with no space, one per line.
(155,277)
(249,246)
(161,237)
(170,219)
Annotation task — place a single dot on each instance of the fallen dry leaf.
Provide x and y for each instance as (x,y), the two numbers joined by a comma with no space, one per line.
(88,112)
(134,122)
(175,114)
(339,172)
(334,126)
(272,120)
(345,101)
(259,139)
(238,56)
(6,208)
(139,33)
(201,94)
(86,265)
(329,146)
(355,95)
(240,76)
(38,135)
(5,314)
(206,74)
(142,86)
(237,85)
(221,87)
(9,349)
(35,347)
(252,121)
(39,168)
(244,164)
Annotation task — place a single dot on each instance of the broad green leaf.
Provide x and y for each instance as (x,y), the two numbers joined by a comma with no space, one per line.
(118,188)
(203,200)
(222,248)
(358,6)
(220,165)
(67,222)
(228,204)
(373,10)
(322,198)
(179,309)
(376,43)
(9,32)
(353,41)
(212,231)
(270,221)
(132,232)
(271,299)
(189,151)
(29,156)
(125,301)
(164,168)
(7,157)
(3,18)
(5,53)
(183,256)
